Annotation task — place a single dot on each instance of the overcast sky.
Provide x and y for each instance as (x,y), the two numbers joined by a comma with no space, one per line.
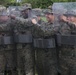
(18,0)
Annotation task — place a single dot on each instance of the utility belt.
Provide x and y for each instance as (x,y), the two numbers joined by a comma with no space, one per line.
(59,40)
(44,43)
(39,42)
(6,40)
(21,38)
(66,40)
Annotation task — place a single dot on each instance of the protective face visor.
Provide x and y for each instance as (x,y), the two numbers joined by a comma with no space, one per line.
(14,10)
(61,12)
(67,9)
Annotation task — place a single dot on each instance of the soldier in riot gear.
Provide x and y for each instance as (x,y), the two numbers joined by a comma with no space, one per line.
(26,54)
(66,44)
(45,49)
(7,65)
(64,29)
(67,50)
(72,61)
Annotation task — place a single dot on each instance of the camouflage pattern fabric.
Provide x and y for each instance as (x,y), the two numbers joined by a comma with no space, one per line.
(26,53)
(64,28)
(46,58)
(40,21)
(66,53)
(6,52)
(42,55)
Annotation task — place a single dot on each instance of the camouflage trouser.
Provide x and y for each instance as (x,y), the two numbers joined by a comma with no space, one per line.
(6,60)
(46,61)
(26,60)
(67,59)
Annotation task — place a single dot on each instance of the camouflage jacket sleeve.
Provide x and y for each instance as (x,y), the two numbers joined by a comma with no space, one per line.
(23,21)
(64,28)
(72,27)
(9,25)
(37,31)
(49,29)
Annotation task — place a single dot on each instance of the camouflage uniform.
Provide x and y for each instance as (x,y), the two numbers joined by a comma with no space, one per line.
(26,53)
(7,60)
(65,51)
(64,28)
(46,61)
(71,54)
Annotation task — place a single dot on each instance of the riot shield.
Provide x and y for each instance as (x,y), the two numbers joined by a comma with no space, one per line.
(65,14)
(66,5)
(14,10)
(65,18)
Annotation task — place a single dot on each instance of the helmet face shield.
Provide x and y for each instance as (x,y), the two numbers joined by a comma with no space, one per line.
(14,10)
(64,11)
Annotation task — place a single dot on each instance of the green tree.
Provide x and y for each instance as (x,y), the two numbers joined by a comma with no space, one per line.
(34,3)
